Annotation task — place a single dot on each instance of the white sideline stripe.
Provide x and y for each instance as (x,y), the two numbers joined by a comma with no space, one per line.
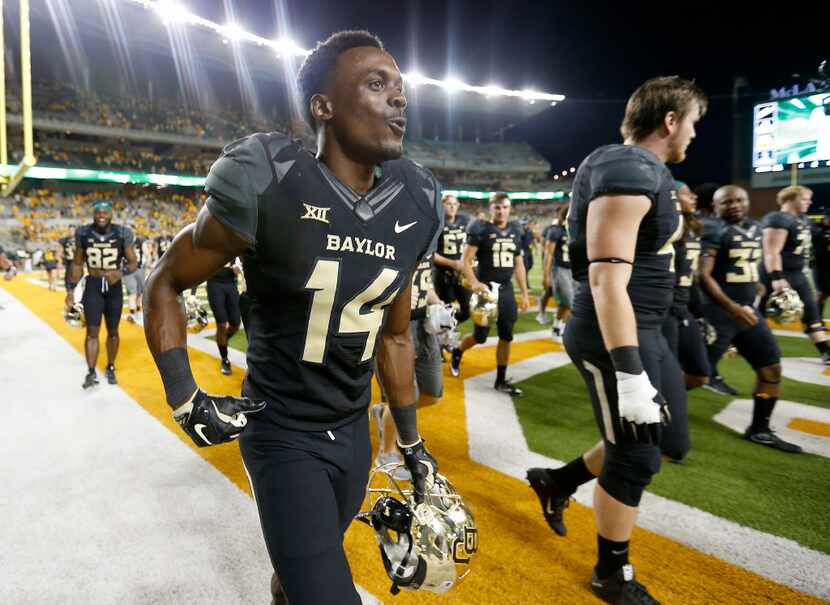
(790,333)
(102,504)
(805,369)
(201,342)
(738,415)
(496,440)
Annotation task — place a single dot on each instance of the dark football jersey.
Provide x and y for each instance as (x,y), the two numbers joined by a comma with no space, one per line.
(68,245)
(686,258)
(546,231)
(451,242)
(138,245)
(324,265)
(631,170)
(421,283)
(796,250)
(497,249)
(737,253)
(163,242)
(225,275)
(559,236)
(103,250)
(821,247)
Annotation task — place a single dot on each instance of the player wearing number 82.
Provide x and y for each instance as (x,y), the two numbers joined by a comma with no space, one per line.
(322,303)
(103,247)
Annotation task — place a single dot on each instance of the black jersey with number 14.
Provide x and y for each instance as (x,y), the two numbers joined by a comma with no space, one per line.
(324,265)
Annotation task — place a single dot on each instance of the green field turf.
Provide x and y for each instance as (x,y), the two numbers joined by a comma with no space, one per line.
(781,494)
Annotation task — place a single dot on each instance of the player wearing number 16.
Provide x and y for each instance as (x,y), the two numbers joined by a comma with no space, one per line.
(328,244)
(104,248)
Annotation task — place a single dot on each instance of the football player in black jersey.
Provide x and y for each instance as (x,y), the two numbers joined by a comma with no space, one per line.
(448,266)
(223,297)
(67,253)
(728,272)
(621,226)
(103,247)
(429,374)
(497,245)
(134,282)
(328,245)
(49,260)
(681,328)
(557,272)
(547,293)
(821,251)
(786,242)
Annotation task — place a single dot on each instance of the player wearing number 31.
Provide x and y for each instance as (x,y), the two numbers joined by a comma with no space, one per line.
(328,246)
(104,248)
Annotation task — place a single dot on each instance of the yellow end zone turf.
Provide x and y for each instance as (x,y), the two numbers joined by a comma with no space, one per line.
(520,560)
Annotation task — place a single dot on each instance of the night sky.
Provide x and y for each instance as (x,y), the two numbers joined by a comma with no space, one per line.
(595,53)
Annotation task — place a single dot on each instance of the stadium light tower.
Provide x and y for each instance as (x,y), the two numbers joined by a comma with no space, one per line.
(29,160)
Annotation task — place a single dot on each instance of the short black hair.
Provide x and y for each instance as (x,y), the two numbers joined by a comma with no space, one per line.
(319,64)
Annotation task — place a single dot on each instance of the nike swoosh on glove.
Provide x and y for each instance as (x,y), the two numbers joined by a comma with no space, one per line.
(643,410)
(214,419)
(422,466)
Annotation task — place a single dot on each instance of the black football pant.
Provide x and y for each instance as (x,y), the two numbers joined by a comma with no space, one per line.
(223,298)
(102,299)
(685,340)
(448,287)
(756,344)
(308,486)
(629,465)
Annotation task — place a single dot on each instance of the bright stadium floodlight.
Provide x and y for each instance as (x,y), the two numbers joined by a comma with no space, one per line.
(413,78)
(452,85)
(174,12)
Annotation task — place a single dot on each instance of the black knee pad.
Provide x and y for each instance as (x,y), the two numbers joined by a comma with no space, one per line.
(628,470)
(480,334)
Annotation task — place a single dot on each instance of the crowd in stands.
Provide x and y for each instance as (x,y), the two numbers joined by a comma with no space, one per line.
(116,154)
(41,216)
(62,101)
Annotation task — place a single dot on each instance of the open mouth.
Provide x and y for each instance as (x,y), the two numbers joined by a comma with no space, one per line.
(398,125)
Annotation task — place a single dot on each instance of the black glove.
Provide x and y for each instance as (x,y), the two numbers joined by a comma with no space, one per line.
(422,466)
(213,419)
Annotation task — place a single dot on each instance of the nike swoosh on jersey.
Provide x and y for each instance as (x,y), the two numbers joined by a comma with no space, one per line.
(199,428)
(402,228)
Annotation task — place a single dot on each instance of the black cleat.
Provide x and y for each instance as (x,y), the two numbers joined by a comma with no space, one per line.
(91,379)
(717,385)
(225,368)
(553,505)
(770,439)
(825,358)
(111,374)
(507,387)
(455,362)
(622,588)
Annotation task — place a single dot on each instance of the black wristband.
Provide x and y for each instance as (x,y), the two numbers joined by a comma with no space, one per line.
(419,313)
(174,368)
(774,275)
(627,359)
(406,421)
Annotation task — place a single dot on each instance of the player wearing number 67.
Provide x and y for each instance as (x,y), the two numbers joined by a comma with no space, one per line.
(328,246)
(728,273)
(104,248)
